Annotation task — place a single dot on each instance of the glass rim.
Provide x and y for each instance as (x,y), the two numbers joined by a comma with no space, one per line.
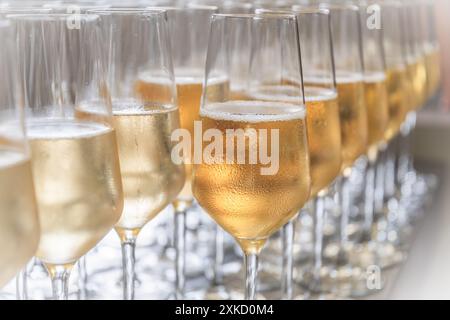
(186,7)
(127,11)
(230,4)
(62,5)
(296,11)
(25,9)
(248,16)
(52,16)
(337,6)
(390,4)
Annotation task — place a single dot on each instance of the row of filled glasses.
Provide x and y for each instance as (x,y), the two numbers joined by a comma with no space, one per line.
(252,110)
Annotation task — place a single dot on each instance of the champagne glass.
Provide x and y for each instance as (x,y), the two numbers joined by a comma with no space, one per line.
(394,47)
(348,63)
(407,178)
(231,184)
(139,50)
(22,277)
(347,45)
(376,99)
(189,33)
(75,162)
(424,80)
(74,7)
(323,118)
(19,225)
(323,125)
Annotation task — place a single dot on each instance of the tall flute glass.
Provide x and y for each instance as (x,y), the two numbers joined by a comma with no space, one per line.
(73,7)
(138,54)
(22,277)
(348,63)
(405,176)
(424,78)
(235,181)
(189,33)
(376,98)
(322,119)
(394,48)
(19,224)
(347,45)
(75,162)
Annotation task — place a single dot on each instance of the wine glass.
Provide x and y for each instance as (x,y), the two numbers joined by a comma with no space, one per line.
(139,56)
(22,277)
(324,129)
(75,162)
(189,27)
(257,53)
(376,99)
(397,81)
(19,225)
(323,125)
(423,67)
(348,79)
(405,176)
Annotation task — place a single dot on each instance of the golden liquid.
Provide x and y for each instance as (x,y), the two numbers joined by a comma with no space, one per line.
(352,114)
(353,117)
(375,90)
(324,138)
(433,67)
(249,205)
(322,117)
(78,186)
(397,86)
(19,225)
(150,179)
(189,84)
(418,77)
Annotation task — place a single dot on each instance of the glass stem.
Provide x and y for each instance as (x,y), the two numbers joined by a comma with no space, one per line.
(380,182)
(390,172)
(60,275)
(287,235)
(319,217)
(406,163)
(369,199)
(21,284)
(345,203)
(180,252)
(218,256)
(345,209)
(128,262)
(251,273)
(82,279)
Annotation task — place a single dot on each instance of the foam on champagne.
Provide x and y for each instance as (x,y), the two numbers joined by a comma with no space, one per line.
(341,77)
(374,77)
(183,77)
(288,93)
(126,107)
(10,157)
(253,111)
(135,108)
(64,129)
(349,77)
